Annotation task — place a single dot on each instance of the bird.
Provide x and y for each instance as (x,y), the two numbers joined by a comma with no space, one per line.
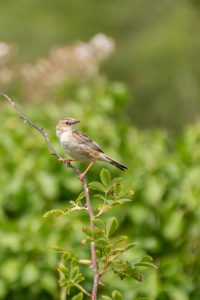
(80,147)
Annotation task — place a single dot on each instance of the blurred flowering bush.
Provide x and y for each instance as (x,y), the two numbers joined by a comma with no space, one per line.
(164,217)
(7,53)
(79,61)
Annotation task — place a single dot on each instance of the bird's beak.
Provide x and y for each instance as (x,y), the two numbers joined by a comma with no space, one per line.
(75,122)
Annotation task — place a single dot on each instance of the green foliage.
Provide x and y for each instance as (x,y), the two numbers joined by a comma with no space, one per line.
(109,250)
(71,273)
(163,219)
(109,194)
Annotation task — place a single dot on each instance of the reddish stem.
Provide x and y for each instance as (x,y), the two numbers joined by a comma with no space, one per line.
(92,244)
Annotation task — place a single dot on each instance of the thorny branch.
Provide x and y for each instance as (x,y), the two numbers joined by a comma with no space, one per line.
(93,296)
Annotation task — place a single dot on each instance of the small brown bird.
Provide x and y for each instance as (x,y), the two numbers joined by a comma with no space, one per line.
(80,147)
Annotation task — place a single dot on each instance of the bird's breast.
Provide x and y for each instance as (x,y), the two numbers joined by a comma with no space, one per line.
(71,146)
(65,138)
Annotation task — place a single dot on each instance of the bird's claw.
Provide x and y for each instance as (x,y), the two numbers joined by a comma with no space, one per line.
(65,161)
(81,176)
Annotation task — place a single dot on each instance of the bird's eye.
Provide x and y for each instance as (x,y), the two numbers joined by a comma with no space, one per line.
(67,123)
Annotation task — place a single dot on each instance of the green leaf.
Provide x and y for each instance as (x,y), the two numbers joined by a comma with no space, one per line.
(85,262)
(127,270)
(74,272)
(64,281)
(116,295)
(78,278)
(100,196)
(101,243)
(66,256)
(78,296)
(136,276)
(119,239)
(105,177)
(115,181)
(54,212)
(123,200)
(130,193)
(102,208)
(147,258)
(99,223)
(80,197)
(106,297)
(111,226)
(56,248)
(146,264)
(110,202)
(129,246)
(97,186)
(118,250)
(64,270)
(88,231)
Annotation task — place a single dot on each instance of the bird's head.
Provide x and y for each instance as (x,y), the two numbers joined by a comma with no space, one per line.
(66,123)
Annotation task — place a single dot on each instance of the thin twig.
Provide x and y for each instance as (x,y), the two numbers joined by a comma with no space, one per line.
(41,130)
(92,244)
(78,286)
(93,296)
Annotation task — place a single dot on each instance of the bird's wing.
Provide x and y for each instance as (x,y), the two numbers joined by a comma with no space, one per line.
(82,138)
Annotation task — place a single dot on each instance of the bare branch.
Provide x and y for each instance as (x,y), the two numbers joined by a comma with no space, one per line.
(41,130)
(92,244)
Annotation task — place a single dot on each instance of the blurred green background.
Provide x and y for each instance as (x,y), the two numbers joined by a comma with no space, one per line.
(141,105)
(157,50)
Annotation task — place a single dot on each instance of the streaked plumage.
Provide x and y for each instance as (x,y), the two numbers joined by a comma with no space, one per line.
(79,146)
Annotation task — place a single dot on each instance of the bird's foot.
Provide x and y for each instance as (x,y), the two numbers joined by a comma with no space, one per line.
(82,176)
(65,161)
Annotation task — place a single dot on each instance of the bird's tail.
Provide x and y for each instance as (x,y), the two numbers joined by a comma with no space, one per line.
(115,163)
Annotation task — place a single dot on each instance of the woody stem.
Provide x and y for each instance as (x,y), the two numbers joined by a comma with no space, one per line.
(92,244)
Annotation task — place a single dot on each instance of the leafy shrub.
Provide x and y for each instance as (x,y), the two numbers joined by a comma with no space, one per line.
(163,218)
